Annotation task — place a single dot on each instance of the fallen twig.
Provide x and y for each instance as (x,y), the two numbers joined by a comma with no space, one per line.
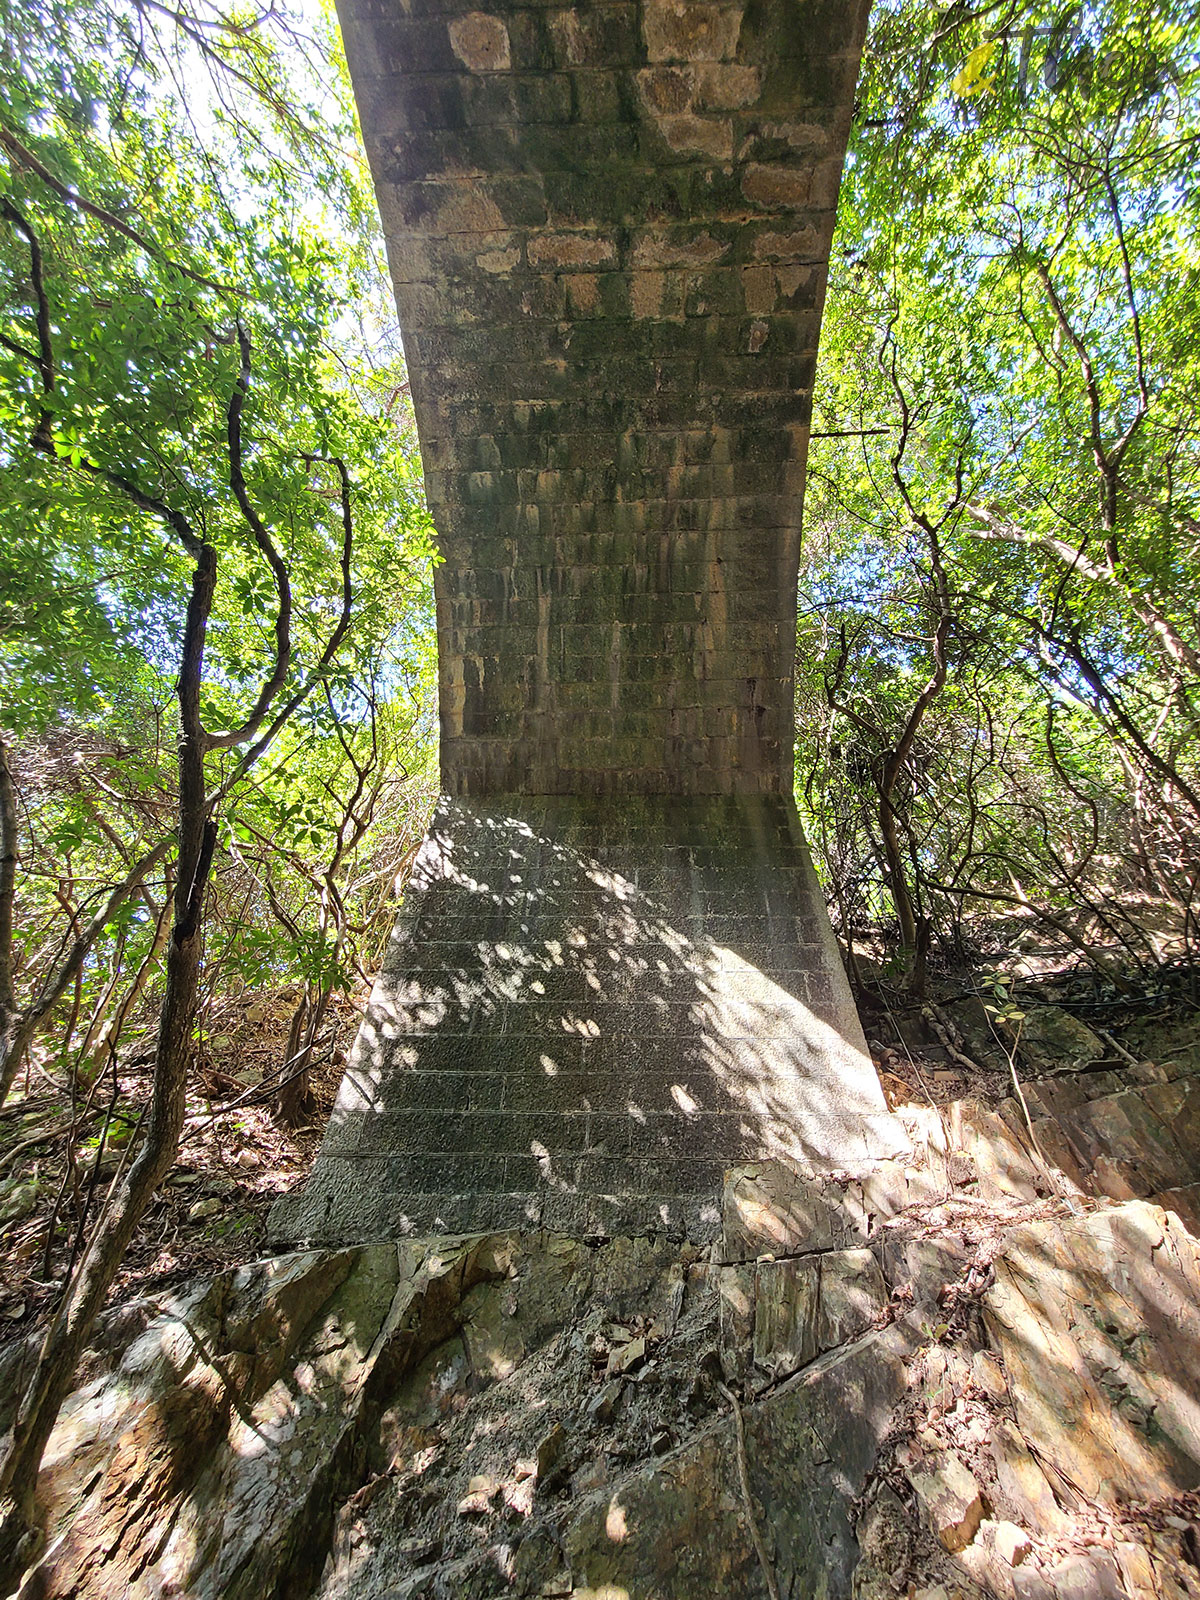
(744,1477)
(1116,1045)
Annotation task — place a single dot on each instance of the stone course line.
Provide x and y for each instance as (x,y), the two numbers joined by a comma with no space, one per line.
(551,1042)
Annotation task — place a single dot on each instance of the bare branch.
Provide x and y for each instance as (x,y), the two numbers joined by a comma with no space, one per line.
(1166,636)
(319,672)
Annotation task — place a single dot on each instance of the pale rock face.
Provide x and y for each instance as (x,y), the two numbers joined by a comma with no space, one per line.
(1023,1483)
(950,1498)
(1097,1320)
(1011,1543)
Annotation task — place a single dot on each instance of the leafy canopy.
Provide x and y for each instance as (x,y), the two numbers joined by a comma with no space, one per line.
(184,212)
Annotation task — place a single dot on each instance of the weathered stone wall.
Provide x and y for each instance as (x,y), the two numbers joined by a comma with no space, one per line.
(608,228)
(590,1008)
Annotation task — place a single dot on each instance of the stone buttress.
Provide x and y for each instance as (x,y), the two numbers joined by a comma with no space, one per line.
(608,228)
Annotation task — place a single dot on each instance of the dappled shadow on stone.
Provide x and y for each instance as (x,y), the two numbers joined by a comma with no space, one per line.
(1097,1318)
(589,1009)
(942,1383)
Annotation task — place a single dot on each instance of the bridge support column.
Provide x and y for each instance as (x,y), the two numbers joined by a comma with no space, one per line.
(609,228)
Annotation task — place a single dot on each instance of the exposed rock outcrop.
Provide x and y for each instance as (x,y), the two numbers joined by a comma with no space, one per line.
(955,1376)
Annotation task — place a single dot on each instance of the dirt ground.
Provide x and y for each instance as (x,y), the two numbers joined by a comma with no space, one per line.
(233,1163)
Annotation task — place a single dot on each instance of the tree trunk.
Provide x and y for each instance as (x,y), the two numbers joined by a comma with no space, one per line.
(894,857)
(295,1103)
(9,1020)
(85,1294)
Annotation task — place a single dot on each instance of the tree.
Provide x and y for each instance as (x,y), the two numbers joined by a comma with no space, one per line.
(1009,345)
(195,489)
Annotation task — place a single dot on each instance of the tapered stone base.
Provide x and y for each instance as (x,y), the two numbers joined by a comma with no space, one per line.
(589,1009)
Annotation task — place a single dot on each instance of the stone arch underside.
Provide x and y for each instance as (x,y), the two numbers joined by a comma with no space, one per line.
(613,976)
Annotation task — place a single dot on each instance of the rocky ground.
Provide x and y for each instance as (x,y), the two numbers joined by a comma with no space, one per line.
(968,1374)
(238,1156)
(961,1375)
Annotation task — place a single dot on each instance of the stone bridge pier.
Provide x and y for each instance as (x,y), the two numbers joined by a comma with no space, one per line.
(608,227)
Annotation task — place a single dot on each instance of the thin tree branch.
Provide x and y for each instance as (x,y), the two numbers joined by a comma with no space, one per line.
(24,157)
(266,545)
